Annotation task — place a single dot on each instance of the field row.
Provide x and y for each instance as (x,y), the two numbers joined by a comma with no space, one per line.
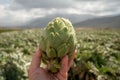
(97,58)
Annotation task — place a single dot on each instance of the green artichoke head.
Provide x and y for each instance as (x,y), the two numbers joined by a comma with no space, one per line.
(57,40)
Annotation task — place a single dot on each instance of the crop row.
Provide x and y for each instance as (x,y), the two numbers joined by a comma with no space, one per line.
(97,58)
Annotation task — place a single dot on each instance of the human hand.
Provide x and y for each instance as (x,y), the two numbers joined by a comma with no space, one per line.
(38,73)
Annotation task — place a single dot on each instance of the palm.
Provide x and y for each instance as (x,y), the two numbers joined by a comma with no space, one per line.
(38,73)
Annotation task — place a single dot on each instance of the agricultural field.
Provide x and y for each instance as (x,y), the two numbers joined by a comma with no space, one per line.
(97,58)
(8,30)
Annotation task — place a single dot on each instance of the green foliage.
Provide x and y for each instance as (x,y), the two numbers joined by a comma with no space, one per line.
(11,71)
(16,49)
(97,58)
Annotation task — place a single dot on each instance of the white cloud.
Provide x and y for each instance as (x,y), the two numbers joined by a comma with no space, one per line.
(15,17)
(9,15)
(28,4)
(100,8)
(69,6)
(21,11)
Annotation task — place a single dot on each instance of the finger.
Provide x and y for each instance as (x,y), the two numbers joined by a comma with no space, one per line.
(36,60)
(64,65)
(71,60)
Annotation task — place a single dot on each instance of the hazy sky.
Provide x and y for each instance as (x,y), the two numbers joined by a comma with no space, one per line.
(20,11)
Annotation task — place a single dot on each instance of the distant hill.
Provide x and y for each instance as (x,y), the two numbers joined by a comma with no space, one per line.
(109,21)
(84,20)
(42,22)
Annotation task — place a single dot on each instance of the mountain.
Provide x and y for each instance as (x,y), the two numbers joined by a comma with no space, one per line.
(108,21)
(42,22)
(84,20)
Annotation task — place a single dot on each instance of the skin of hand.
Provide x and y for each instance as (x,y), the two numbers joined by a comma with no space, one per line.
(38,73)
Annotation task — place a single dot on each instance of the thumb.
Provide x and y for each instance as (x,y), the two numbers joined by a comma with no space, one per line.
(64,65)
(36,60)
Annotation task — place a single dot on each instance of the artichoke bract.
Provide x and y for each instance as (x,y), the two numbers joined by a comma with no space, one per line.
(57,40)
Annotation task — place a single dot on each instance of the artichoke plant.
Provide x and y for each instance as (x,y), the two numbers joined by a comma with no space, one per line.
(57,40)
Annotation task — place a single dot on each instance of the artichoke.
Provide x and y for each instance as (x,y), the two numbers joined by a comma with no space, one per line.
(57,40)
